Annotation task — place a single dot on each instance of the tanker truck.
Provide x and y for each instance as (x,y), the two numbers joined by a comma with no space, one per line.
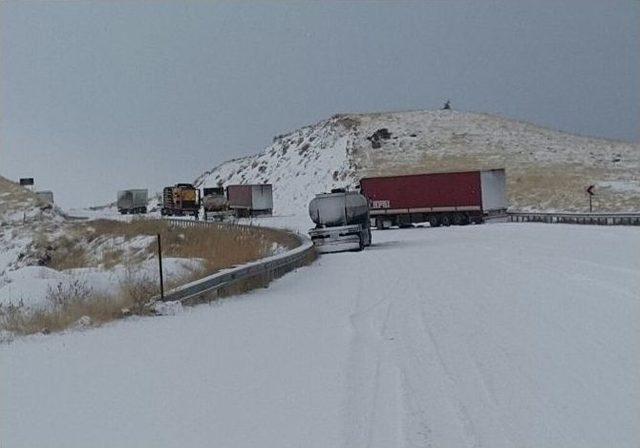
(342,221)
(215,204)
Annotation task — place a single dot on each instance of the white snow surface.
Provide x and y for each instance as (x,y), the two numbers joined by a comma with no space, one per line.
(502,335)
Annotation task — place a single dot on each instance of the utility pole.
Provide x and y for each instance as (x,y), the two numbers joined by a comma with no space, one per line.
(160,267)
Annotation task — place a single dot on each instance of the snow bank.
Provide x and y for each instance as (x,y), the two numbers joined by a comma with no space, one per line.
(30,285)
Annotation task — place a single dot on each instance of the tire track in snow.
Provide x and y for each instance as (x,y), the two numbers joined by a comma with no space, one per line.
(429,380)
(463,414)
(372,406)
(457,371)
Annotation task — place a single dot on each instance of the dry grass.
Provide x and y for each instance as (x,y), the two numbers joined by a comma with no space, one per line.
(77,304)
(221,246)
(246,284)
(66,253)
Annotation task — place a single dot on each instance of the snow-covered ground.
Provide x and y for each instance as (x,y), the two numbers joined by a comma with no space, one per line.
(30,286)
(493,335)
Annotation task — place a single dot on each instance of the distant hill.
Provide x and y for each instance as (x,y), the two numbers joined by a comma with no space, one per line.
(546,169)
(20,205)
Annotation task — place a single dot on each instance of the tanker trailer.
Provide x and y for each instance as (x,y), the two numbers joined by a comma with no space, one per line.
(342,221)
(215,204)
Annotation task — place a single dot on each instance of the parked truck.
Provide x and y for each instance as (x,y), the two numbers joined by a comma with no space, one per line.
(45,196)
(342,221)
(250,200)
(442,199)
(132,201)
(215,204)
(180,200)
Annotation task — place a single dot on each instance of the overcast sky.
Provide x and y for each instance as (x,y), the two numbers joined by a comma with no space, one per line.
(99,96)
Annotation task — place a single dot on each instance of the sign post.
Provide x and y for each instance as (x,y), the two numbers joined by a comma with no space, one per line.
(590,193)
(160,267)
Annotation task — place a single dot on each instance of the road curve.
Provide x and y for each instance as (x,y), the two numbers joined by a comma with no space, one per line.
(494,335)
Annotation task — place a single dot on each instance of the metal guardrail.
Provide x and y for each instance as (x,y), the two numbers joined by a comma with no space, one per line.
(603,219)
(264,270)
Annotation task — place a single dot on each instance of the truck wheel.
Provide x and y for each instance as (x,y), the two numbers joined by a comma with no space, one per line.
(457,219)
(445,220)
(434,221)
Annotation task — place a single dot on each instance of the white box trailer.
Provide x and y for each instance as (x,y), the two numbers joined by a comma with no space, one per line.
(250,200)
(494,191)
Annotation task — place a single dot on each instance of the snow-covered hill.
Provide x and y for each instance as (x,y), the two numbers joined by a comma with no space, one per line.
(546,169)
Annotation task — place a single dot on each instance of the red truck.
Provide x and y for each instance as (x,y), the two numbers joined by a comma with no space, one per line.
(439,198)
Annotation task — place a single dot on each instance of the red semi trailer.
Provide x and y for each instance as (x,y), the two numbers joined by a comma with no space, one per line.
(439,198)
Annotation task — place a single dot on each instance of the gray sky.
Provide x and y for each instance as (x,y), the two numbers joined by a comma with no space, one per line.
(98,96)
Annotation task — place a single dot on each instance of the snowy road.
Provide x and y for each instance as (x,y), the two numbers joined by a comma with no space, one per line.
(498,335)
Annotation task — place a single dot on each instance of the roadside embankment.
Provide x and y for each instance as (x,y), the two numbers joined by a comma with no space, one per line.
(97,271)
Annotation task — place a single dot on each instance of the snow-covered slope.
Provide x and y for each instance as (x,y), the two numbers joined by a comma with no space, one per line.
(546,169)
(505,335)
(30,229)
(23,217)
(310,160)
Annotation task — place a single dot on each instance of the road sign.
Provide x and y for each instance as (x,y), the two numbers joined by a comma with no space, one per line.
(590,193)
